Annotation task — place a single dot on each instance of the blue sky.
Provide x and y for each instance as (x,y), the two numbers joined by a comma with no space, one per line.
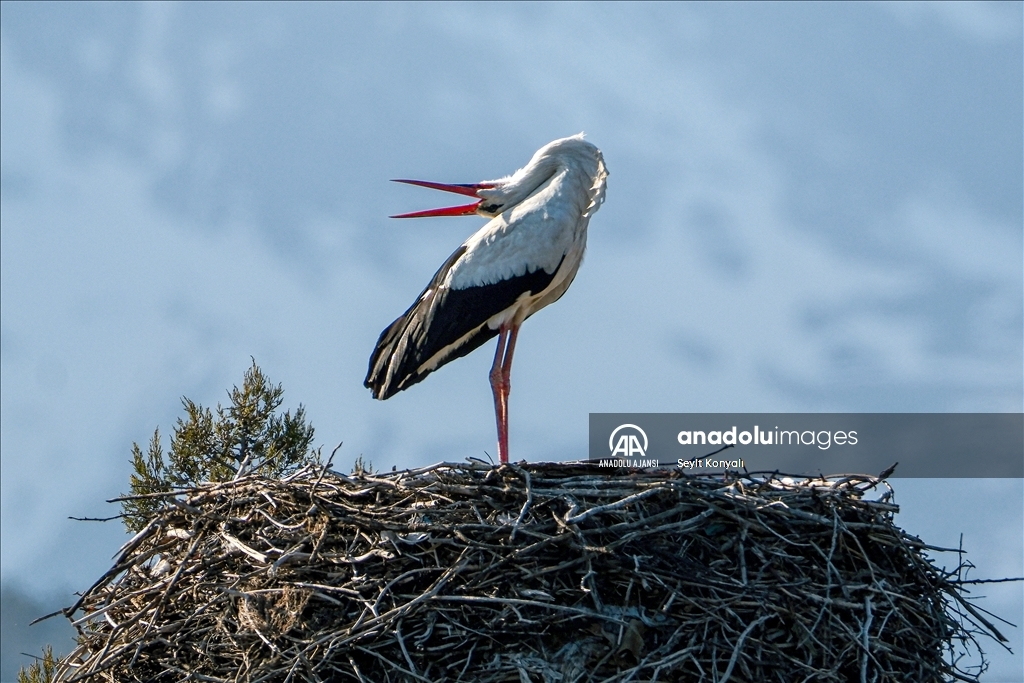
(810,208)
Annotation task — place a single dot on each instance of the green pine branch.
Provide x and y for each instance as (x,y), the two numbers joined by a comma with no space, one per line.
(248,436)
(40,671)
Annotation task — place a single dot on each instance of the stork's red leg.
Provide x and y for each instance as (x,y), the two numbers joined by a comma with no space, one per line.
(507,384)
(506,364)
(500,395)
(501,373)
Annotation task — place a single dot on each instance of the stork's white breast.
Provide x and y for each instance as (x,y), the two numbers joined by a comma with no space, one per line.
(535,234)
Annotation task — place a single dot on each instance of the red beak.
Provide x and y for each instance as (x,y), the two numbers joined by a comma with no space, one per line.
(470,190)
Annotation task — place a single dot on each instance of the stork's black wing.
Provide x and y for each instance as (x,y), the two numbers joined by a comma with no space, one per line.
(443,324)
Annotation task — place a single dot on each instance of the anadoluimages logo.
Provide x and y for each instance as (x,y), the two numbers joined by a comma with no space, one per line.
(627,445)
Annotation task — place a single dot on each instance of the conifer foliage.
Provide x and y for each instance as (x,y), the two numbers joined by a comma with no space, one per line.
(40,671)
(248,436)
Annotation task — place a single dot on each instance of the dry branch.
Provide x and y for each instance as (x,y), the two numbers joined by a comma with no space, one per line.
(540,572)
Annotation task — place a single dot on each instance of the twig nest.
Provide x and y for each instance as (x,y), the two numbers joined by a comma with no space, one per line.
(540,572)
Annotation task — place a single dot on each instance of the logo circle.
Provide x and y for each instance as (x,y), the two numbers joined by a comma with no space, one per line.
(611,439)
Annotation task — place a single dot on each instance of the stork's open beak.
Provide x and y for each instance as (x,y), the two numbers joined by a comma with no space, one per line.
(470,190)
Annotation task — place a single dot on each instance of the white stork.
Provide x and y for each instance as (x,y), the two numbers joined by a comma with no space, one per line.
(523,259)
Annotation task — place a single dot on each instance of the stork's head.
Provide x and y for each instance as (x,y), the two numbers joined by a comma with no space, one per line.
(495,196)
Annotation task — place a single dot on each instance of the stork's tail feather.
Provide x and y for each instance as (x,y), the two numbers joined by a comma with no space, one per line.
(383,362)
(408,351)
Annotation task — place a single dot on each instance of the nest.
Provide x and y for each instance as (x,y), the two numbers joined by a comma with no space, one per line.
(540,572)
